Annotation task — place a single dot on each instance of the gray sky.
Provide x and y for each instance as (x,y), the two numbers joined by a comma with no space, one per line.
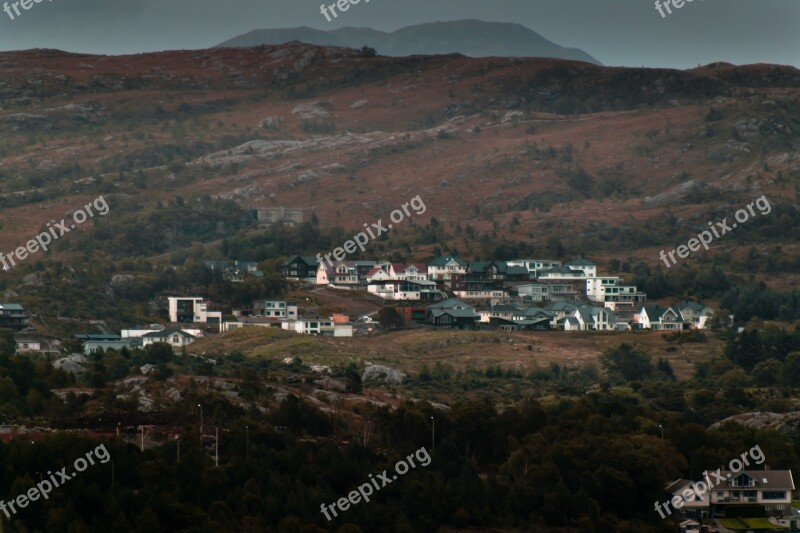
(616,32)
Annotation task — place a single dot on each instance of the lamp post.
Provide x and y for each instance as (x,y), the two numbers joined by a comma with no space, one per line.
(142,426)
(662,431)
(201,423)
(178,440)
(433,434)
(216,449)
(247,442)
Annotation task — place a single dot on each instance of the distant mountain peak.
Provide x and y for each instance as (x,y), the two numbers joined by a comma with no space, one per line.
(470,37)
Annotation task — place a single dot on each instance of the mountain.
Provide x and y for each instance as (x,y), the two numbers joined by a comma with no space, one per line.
(473,38)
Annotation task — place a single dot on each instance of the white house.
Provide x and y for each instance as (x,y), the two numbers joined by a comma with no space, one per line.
(192,309)
(696,314)
(659,318)
(394,289)
(443,268)
(174,337)
(318,326)
(280,309)
(588,267)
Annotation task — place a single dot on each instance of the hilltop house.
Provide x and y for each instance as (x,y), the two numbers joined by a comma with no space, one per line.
(534,266)
(280,309)
(12,316)
(624,300)
(546,291)
(346,274)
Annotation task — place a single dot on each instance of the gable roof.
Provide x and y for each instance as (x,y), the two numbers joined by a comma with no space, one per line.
(581,262)
(455,313)
(309,260)
(765,479)
(168,332)
(445,259)
(450,303)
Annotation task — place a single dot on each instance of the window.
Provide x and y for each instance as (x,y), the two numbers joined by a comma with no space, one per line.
(779,507)
(773,495)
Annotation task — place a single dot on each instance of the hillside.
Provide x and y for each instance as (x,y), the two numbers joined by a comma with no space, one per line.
(474,38)
(511,157)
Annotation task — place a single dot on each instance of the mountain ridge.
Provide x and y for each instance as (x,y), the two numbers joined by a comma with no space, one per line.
(470,37)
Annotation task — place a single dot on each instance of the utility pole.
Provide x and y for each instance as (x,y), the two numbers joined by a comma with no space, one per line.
(201,423)
(247,442)
(216,451)
(178,440)
(142,426)
(433,434)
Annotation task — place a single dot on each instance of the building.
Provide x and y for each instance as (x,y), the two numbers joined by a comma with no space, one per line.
(398,290)
(624,300)
(451,313)
(318,326)
(300,268)
(289,216)
(534,266)
(174,337)
(13,317)
(584,265)
(658,318)
(695,315)
(235,271)
(347,274)
(443,268)
(747,492)
(547,292)
(275,309)
(192,309)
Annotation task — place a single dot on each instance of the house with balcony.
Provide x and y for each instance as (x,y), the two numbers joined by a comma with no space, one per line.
(658,318)
(534,266)
(694,314)
(406,290)
(279,309)
(584,265)
(192,310)
(546,291)
(623,300)
(744,493)
(451,313)
(13,317)
(443,268)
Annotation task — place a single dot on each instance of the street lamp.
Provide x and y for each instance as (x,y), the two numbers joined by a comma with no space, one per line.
(662,431)
(433,434)
(142,426)
(247,442)
(201,423)
(178,440)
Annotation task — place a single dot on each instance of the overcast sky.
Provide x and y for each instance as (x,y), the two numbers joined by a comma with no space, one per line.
(616,32)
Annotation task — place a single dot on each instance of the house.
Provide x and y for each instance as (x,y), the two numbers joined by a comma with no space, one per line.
(288,216)
(624,300)
(762,491)
(546,291)
(192,309)
(347,274)
(397,290)
(280,309)
(534,266)
(443,268)
(695,314)
(318,326)
(13,316)
(175,337)
(300,268)
(235,271)
(93,345)
(562,273)
(594,319)
(451,313)
(584,265)
(658,318)
(505,312)
(33,343)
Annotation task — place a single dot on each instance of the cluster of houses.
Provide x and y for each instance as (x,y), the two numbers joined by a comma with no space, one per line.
(515,294)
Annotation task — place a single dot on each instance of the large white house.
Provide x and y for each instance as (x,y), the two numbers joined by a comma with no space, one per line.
(174,337)
(770,490)
(192,309)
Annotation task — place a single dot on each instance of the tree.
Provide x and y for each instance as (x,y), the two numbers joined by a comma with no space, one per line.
(390,319)
(367,51)
(627,362)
